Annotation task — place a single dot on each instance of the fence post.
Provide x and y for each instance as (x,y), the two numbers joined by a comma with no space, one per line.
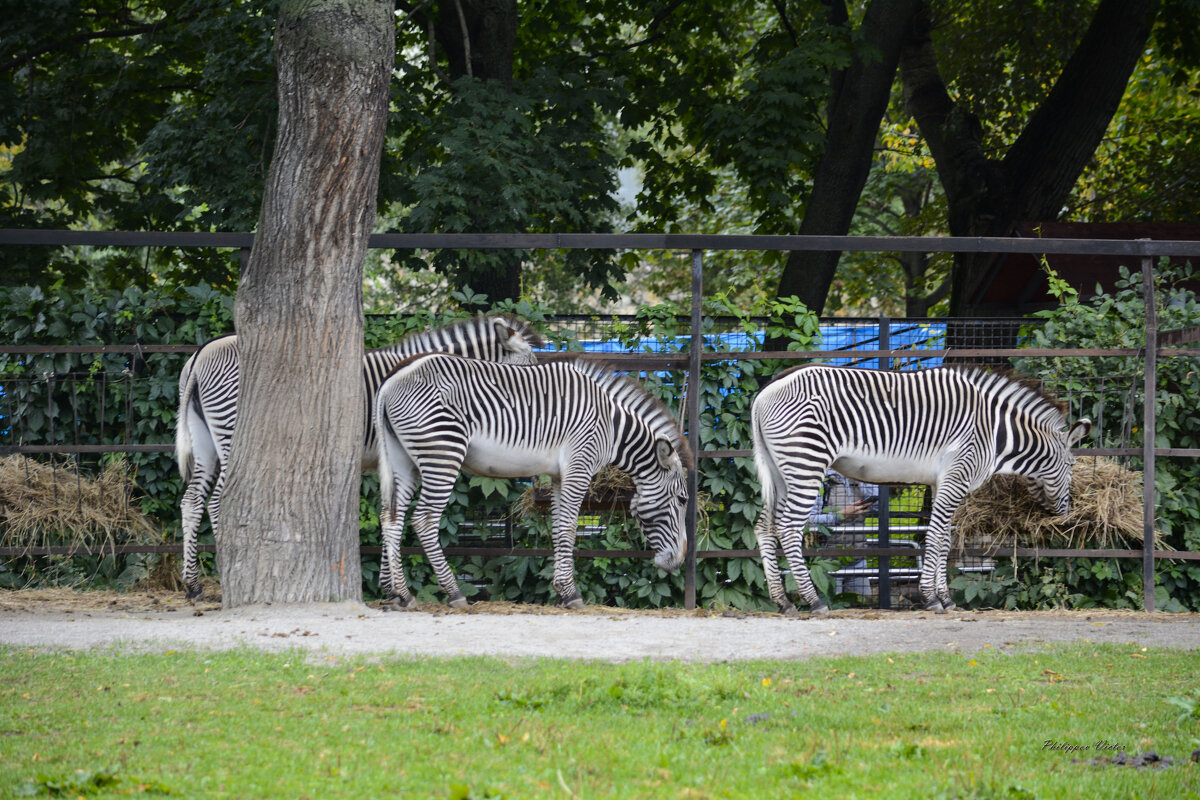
(693,417)
(1149,433)
(885,492)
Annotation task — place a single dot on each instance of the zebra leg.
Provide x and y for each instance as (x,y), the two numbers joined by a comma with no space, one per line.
(768,541)
(207,467)
(796,509)
(437,483)
(566,498)
(792,540)
(948,494)
(192,509)
(395,507)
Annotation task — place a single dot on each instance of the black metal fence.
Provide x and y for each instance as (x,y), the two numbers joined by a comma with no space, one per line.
(967,341)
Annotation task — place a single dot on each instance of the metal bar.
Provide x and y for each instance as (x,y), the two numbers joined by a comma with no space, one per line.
(827,552)
(1179,336)
(651,359)
(631,241)
(46,449)
(44,349)
(39,449)
(124,238)
(1149,434)
(693,432)
(1081,352)
(1175,452)
(885,495)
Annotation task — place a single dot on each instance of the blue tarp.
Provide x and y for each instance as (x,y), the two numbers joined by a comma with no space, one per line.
(903,336)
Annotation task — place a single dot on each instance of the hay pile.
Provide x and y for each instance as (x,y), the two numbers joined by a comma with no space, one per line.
(606,485)
(55,505)
(609,486)
(1106,512)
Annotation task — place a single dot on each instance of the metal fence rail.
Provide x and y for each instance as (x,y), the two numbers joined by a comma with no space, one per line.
(1143,251)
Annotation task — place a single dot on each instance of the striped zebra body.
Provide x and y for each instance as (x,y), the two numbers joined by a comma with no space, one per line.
(208,386)
(439,414)
(949,428)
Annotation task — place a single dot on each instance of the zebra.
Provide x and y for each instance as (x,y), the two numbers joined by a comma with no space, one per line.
(949,427)
(438,414)
(208,386)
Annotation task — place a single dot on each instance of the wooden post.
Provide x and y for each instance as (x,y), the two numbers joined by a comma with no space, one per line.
(885,492)
(1148,434)
(693,431)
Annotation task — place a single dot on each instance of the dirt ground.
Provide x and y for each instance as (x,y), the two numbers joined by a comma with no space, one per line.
(62,619)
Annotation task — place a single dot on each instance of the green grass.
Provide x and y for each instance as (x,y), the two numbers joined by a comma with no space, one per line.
(247,724)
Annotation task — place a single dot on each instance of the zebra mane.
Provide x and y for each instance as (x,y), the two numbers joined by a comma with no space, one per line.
(479,324)
(631,395)
(1041,407)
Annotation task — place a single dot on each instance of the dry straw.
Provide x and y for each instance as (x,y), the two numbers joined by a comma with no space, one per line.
(608,486)
(1106,512)
(55,505)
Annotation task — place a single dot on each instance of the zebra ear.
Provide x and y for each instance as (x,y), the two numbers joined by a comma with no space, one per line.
(664,452)
(1079,430)
(504,331)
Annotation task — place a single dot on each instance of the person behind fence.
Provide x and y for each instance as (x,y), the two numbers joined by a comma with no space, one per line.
(843,500)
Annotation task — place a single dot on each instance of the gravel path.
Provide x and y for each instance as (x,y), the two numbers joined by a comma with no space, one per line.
(58,619)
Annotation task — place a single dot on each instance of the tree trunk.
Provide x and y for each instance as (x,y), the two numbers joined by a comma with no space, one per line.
(987,197)
(856,106)
(289,523)
(479,38)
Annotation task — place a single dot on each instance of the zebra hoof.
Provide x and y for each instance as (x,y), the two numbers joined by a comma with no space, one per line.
(573,602)
(819,610)
(399,604)
(949,605)
(193,593)
(787,609)
(459,602)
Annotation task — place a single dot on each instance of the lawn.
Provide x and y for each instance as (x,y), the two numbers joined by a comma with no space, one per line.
(248,724)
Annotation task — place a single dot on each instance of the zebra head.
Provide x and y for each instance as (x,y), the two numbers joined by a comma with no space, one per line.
(517,340)
(659,504)
(1051,482)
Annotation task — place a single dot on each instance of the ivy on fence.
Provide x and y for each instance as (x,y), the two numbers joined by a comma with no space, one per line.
(119,398)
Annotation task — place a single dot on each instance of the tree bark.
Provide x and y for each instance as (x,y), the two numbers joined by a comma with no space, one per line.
(987,197)
(857,103)
(289,524)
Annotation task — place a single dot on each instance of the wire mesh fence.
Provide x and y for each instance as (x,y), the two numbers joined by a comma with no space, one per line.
(1114,400)
(99,412)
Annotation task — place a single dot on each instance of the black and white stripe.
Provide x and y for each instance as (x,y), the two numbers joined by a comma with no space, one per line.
(208,386)
(438,414)
(950,428)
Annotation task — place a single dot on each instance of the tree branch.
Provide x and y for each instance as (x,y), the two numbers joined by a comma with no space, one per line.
(466,38)
(787,25)
(650,30)
(81,38)
(1061,137)
(433,65)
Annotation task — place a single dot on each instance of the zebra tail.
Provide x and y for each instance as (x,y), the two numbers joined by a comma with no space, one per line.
(764,462)
(385,440)
(184,457)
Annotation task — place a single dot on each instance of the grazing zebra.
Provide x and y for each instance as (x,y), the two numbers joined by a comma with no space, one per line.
(208,388)
(438,414)
(948,427)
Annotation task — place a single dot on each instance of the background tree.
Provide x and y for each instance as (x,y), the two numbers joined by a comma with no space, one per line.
(787,95)
(504,131)
(991,185)
(153,116)
(132,116)
(289,523)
